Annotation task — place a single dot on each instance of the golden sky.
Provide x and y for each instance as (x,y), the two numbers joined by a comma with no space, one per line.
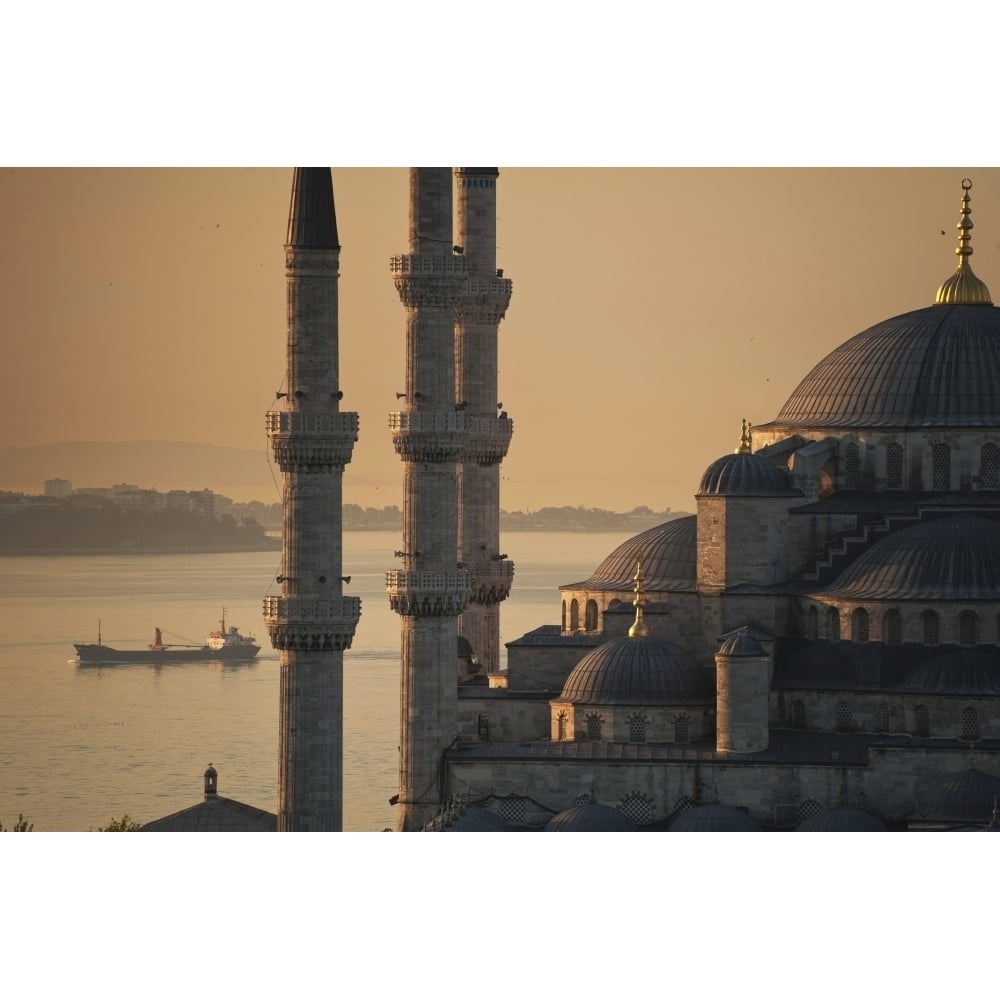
(652,308)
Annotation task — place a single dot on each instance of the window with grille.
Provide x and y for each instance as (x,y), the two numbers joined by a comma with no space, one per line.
(681,729)
(845,716)
(970,724)
(812,624)
(561,723)
(883,718)
(593,727)
(894,467)
(591,616)
(583,800)
(798,715)
(930,627)
(637,729)
(892,627)
(832,623)
(968,628)
(638,808)
(859,625)
(574,615)
(941,467)
(852,465)
(512,811)
(921,721)
(989,467)
(807,809)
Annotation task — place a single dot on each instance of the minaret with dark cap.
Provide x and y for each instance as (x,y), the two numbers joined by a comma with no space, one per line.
(312,622)
(429,591)
(484,302)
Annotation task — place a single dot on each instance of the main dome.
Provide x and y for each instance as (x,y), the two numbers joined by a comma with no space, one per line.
(933,367)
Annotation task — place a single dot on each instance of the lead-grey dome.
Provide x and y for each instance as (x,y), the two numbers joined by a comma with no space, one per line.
(842,819)
(744,474)
(591,817)
(960,798)
(955,558)
(713,819)
(668,553)
(933,367)
(639,671)
(971,671)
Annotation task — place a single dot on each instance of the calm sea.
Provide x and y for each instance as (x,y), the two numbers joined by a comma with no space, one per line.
(80,745)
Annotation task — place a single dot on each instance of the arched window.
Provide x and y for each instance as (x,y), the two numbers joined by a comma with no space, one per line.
(941,467)
(574,615)
(798,715)
(894,466)
(812,623)
(884,718)
(590,622)
(845,716)
(637,729)
(892,627)
(593,727)
(638,807)
(832,624)
(970,723)
(989,467)
(859,625)
(968,628)
(921,721)
(681,728)
(930,628)
(852,465)
(564,616)
(561,723)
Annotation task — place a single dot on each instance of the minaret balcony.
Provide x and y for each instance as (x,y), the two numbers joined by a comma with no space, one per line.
(429,436)
(429,279)
(485,300)
(311,624)
(420,593)
(488,440)
(491,580)
(312,442)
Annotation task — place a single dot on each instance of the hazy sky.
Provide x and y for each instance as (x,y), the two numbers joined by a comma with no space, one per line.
(652,308)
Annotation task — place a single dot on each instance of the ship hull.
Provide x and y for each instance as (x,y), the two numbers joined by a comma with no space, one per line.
(94,653)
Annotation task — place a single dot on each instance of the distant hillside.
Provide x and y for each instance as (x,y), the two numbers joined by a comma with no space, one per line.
(237,473)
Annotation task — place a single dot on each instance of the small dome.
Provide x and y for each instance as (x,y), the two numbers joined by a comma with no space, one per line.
(959,671)
(954,558)
(474,819)
(639,671)
(842,819)
(668,554)
(960,798)
(745,475)
(741,643)
(713,819)
(590,818)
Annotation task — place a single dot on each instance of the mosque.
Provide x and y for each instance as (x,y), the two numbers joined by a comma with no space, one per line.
(817,648)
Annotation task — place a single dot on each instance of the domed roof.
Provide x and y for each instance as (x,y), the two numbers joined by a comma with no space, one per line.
(668,554)
(713,819)
(741,643)
(745,476)
(933,367)
(960,798)
(639,671)
(473,819)
(591,817)
(959,671)
(842,819)
(953,558)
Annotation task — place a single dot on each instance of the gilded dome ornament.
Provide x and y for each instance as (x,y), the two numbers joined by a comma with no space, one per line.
(639,628)
(963,287)
(745,447)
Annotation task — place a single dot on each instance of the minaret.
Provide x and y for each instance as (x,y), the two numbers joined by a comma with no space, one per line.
(312,622)
(484,302)
(430,591)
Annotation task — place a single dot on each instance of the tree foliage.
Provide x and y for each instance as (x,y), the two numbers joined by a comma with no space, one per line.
(21,826)
(124,825)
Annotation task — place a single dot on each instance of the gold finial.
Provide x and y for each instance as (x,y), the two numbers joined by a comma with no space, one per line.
(639,628)
(746,441)
(963,287)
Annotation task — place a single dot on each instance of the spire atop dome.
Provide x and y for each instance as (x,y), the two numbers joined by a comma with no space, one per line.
(963,287)
(745,446)
(312,218)
(639,628)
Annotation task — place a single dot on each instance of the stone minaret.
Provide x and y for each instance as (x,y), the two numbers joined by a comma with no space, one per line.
(312,622)
(484,302)
(430,591)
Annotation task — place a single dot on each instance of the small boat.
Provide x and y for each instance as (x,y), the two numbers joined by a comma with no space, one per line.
(228,645)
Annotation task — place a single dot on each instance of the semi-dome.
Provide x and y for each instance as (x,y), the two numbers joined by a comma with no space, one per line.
(960,798)
(842,819)
(713,819)
(639,671)
(668,554)
(591,817)
(959,671)
(955,558)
